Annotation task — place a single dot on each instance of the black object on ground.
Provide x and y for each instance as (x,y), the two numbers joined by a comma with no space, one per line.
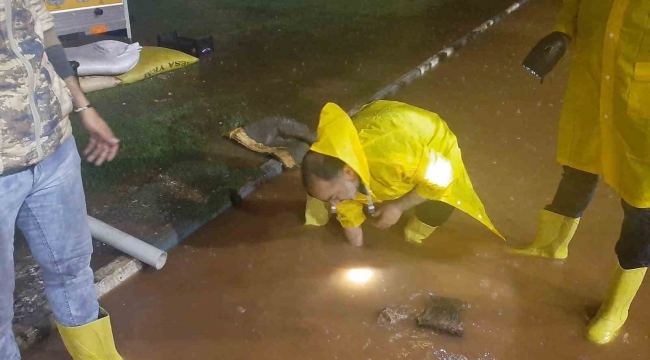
(443,314)
(235,197)
(194,47)
(75,68)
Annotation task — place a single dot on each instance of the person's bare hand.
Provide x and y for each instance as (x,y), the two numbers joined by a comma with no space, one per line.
(388,215)
(354,236)
(102,145)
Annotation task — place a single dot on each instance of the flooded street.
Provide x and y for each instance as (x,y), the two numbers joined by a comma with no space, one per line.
(257,284)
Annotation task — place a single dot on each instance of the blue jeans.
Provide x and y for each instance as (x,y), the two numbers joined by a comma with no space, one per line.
(47,204)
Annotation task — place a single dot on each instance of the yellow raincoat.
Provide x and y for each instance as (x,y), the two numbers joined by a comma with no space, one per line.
(392,147)
(605,123)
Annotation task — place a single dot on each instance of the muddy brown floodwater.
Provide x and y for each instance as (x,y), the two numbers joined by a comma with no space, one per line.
(256,284)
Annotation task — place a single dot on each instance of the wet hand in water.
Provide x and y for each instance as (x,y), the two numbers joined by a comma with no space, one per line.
(388,215)
(354,236)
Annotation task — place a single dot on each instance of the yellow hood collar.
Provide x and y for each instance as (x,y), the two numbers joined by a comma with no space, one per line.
(337,137)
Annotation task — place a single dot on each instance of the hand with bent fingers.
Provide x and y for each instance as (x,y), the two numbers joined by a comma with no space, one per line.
(102,145)
(388,214)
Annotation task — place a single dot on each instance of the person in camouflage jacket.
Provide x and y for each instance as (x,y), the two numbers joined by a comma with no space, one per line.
(41,191)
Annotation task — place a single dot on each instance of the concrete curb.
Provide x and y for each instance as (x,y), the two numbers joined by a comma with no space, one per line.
(121,269)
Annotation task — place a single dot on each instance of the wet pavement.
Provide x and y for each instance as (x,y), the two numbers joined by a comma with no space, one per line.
(256,284)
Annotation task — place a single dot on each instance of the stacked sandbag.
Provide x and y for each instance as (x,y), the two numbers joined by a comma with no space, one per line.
(109,63)
(94,83)
(286,139)
(155,61)
(107,57)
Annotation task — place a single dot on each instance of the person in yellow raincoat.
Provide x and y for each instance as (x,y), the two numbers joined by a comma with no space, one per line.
(392,153)
(605,130)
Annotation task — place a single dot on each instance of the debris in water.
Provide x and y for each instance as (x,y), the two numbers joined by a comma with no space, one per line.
(395,337)
(367,344)
(393,315)
(442,354)
(443,314)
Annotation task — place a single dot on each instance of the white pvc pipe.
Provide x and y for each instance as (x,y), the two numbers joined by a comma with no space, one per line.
(127,244)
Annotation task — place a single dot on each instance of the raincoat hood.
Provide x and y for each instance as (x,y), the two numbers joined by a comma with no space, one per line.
(337,137)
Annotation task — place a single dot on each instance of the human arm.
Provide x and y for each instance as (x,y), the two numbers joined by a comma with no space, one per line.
(103,145)
(350,215)
(546,54)
(567,22)
(390,212)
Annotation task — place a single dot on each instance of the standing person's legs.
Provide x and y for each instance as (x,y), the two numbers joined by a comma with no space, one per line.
(13,191)
(633,247)
(633,251)
(428,216)
(53,219)
(559,221)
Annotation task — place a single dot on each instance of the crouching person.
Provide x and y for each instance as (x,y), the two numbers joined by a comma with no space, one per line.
(395,155)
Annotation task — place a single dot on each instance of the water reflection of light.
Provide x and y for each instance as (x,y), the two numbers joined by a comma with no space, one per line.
(359,276)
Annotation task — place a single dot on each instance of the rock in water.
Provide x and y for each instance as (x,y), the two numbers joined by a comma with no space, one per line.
(443,314)
(392,315)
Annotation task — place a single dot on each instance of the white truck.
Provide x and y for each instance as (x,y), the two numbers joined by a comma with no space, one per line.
(91,17)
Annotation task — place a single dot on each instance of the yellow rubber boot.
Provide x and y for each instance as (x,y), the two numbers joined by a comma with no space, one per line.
(92,341)
(553,236)
(415,230)
(317,213)
(613,312)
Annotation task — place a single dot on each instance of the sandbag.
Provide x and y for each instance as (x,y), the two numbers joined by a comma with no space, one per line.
(285,138)
(154,61)
(107,57)
(94,83)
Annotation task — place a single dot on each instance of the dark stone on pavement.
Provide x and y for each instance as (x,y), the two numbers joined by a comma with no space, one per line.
(393,315)
(443,314)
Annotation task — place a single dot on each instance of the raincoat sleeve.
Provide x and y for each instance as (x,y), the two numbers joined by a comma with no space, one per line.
(429,191)
(350,214)
(568,20)
(316,213)
(40,11)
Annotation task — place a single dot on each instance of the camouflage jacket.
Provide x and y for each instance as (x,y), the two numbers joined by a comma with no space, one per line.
(34,101)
